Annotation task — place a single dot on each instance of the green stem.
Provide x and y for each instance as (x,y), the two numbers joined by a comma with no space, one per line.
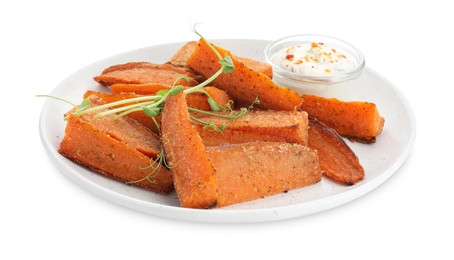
(191,109)
(57,98)
(120,109)
(155,165)
(156,123)
(203,84)
(127,112)
(113,104)
(209,44)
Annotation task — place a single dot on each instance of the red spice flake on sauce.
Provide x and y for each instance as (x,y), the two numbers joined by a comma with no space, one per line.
(289,57)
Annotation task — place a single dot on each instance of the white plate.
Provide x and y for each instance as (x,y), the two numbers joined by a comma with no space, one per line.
(380,160)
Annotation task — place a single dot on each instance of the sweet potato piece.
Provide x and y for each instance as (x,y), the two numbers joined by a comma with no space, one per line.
(358,121)
(266,125)
(138,116)
(126,130)
(109,97)
(256,170)
(337,160)
(143,73)
(139,89)
(194,177)
(256,65)
(180,59)
(243,83)
(200,101)
(86,144)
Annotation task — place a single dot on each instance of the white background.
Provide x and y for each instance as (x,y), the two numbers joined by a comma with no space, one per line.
(47,216)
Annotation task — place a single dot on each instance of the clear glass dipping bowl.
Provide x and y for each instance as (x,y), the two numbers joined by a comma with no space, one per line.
(306,83)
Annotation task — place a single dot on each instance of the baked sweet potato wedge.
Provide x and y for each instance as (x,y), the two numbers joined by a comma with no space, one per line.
(337,161)
(117,153)
(260,125)
(194,177)
(256,65)
(181,57)
(126,130)
(139,89)
(144,73)
(255,170)
(244,83)
(356,120)
(200,100)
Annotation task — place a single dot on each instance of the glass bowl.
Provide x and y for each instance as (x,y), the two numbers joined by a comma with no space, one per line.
(314,83)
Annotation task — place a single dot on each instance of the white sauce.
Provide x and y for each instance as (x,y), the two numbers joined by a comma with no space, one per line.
(313,59)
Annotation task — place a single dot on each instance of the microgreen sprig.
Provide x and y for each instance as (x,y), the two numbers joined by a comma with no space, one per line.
(57,98)
(155,165)
(233,115)
(208,125)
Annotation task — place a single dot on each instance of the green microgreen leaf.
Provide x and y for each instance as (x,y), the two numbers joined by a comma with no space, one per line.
(151,111)
(85,103)
(213,105)
(209,125)
(162,92)
(227,64)
(212,127)
(223,127)
(175,90)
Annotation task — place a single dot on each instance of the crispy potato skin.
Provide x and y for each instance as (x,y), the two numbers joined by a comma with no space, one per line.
(194,177)
(337,161)
(356,120)
(243,83)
